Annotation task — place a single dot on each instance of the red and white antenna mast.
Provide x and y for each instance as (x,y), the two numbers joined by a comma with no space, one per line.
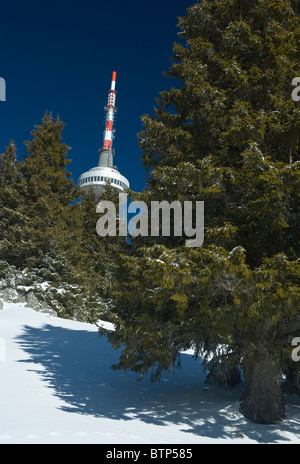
(111,109)
(96,178)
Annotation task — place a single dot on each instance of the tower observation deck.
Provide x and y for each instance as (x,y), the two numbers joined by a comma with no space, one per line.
(97,178)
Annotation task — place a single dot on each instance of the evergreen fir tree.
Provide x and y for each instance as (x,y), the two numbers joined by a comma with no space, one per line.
(49,193)
(48,235)
(11,207)
(48,247)
(96,258)
(228,136)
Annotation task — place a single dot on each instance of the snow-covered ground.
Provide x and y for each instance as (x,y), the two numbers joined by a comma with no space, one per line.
(56,386)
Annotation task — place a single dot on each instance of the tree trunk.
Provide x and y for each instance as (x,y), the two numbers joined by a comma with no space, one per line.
(262,400)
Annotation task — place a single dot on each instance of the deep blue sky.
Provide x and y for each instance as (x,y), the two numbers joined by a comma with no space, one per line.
(59,55)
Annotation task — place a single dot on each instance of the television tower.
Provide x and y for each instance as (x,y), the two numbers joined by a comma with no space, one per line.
(97,178)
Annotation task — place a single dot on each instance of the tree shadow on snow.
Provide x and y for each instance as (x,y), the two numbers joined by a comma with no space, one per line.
(75,364)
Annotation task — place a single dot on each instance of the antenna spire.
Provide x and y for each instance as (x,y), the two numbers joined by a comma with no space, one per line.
(110,110)
(97,178)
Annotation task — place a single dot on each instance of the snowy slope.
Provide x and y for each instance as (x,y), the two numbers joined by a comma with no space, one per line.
(57,387)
